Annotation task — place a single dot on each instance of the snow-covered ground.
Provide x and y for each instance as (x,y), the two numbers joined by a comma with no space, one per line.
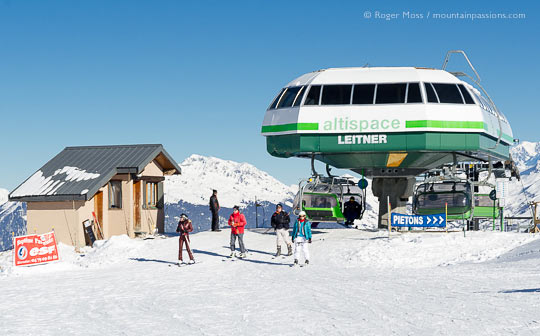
(359,282)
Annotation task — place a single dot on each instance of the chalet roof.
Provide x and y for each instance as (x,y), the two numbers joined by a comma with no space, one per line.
(77,173)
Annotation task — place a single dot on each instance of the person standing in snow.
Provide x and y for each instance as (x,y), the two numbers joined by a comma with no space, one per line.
(280,222)
(301,237)
(214,208)
(184,228)
(352,210)
(237,221)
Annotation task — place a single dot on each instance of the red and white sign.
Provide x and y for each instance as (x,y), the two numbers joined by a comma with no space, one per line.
(34,249)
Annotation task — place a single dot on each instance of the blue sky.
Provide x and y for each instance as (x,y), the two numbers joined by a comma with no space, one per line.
(197,76)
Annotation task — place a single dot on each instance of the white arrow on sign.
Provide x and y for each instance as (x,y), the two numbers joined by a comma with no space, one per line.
(434,220)
(441,219)
(428,220)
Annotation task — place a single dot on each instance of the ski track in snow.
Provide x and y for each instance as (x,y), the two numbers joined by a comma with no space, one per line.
(358,283)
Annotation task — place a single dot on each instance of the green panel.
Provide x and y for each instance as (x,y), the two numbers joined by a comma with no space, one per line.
(444,124)
(415,141)
(283,145)
(425,149)
(453,142)
(291,127)
(451,211)
(488,212)
(464,216)
(310,143)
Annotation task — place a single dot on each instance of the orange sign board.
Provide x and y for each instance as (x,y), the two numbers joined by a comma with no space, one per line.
(34,249)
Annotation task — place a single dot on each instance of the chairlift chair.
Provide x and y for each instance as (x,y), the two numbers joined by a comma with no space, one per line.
(485,207)
(432,198)
(323,198)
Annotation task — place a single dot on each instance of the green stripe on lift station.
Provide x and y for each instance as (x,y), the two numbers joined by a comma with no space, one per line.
(291,127)
(444,124)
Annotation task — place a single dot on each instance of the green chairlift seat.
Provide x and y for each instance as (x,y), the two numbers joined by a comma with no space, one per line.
(485,207)
(320,207)
(322,198)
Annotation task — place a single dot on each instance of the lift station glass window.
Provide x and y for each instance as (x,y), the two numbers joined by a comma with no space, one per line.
(391,93)
(276,100)
(313,95)
(448,93)
(466,94)
(288,97)
(413,93)
(336,94)
(431,96)
(299,96)
(363,93)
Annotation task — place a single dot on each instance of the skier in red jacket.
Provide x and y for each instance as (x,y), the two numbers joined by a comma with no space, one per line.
(237,221)
(184,228)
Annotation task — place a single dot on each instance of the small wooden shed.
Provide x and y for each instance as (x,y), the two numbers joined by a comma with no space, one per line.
(119,188)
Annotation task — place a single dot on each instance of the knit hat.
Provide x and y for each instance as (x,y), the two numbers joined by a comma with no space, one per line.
(236,207)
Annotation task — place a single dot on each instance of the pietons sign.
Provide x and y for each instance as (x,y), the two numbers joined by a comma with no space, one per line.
(34,249)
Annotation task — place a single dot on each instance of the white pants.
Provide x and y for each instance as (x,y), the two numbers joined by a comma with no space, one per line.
(283,235)
(301,245)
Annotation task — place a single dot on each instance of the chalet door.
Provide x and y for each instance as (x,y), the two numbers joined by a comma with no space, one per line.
(137,206)
(98,207)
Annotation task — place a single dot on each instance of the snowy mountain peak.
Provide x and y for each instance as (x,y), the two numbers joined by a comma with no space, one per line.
(3,196)
(526,155)
(237,183)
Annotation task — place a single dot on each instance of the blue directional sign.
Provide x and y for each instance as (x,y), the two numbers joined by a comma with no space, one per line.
(436,220)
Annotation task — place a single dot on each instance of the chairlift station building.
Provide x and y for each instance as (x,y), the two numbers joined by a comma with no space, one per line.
(387,123)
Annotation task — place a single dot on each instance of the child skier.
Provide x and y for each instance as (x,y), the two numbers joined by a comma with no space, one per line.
(184,228)
(301,236)
(237,221)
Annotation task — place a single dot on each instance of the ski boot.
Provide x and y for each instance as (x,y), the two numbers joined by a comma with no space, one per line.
(191,262)
(242,255)
(278,253)
(295,262)
(289,250)
(231,255)
(307,262)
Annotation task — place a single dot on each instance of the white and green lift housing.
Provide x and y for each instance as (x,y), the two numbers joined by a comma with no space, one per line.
(388,123)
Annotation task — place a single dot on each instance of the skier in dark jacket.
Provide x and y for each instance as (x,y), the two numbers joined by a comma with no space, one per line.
(352,210)
(184,228)
(214,208)
(280,222)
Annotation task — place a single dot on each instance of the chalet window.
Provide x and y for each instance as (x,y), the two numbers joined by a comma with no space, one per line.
(115,195)
(151,199)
